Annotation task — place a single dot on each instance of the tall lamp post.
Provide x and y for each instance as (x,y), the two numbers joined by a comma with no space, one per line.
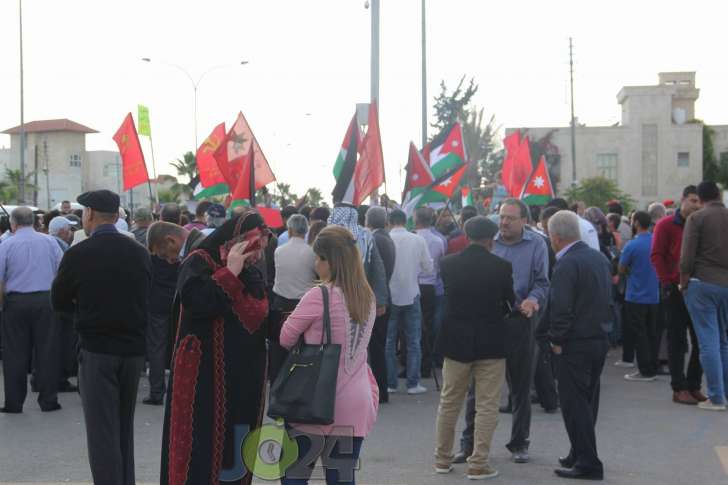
(195,84)
(21,180)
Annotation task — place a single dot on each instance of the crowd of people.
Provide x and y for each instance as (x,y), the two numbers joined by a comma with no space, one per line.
(528,297)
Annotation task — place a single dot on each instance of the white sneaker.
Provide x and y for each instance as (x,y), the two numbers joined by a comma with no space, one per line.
(637,377)
(442,470)
(626,365)
(391,390)
(709,406)
(418,389)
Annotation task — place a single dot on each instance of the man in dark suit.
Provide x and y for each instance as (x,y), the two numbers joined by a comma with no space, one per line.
(478,295)
(578,311)
(376,221)
(105,280)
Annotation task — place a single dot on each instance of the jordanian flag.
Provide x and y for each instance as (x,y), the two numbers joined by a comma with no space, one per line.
(467,197)
(538,189)
(446,151)
(346,164)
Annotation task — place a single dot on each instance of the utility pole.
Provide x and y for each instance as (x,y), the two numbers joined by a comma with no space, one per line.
(46,169)
(573,120)
(375,69)
(424,76)
(21,180)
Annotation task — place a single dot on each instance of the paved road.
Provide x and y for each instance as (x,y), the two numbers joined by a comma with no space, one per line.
(643,439)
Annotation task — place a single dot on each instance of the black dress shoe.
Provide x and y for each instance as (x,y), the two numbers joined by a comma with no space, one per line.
(579,474)
(153,401)
(51,408)
(10,411)
(461,457)
(567,461)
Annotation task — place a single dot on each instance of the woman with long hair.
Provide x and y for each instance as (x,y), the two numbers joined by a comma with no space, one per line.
(219,362)
(352,310)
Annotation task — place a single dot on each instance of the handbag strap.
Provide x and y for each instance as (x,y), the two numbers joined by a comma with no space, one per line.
(327,316)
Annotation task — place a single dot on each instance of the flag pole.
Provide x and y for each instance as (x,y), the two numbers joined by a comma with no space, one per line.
(154,173)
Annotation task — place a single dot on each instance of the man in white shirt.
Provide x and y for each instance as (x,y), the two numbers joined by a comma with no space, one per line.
(413,258)
(586,229)
(294,276)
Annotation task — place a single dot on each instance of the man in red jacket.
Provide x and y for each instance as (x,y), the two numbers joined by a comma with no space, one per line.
(665,256)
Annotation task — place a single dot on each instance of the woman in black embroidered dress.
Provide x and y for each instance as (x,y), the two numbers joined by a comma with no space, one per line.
(218,367)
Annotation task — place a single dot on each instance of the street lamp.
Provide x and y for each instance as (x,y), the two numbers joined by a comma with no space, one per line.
(195,84)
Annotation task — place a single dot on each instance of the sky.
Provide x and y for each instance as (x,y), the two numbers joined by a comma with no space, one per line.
(308,66)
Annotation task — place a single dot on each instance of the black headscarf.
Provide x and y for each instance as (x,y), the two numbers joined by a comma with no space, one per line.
(250,276)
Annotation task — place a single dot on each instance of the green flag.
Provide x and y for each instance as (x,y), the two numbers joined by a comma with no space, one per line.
(144,127)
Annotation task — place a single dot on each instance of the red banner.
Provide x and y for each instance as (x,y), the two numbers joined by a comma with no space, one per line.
(210,174)
(369,172)
(132,157)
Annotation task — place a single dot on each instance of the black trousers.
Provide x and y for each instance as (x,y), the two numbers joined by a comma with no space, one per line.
(679,326)
(29,325)
(642,320)
(109,385)
(377,355)
(157,337)
(627,336)
(519,373)
(69,347)
(578,371)
(427,342)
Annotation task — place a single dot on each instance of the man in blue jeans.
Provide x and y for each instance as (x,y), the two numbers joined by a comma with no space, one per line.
(704,283)
(412,258)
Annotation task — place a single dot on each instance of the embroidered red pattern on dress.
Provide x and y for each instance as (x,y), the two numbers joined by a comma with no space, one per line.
(186,372)
(249,310)
(219,400)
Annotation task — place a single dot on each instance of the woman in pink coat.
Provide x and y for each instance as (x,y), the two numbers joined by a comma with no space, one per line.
(352,310)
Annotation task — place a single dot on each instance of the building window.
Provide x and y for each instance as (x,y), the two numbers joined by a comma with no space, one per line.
(723,157)
(683,159)
(75,160)
(607,165)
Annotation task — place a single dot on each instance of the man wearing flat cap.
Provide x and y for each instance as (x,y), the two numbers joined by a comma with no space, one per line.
(105,280)
(478,296)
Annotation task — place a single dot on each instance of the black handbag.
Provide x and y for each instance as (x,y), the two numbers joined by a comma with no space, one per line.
(305,389)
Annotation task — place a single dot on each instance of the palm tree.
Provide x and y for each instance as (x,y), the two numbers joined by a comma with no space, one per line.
(10,187)
(314,197)
(187,167)
(166,196)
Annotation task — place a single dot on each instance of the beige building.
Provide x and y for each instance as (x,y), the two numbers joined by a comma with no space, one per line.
(61,167)
(652,154)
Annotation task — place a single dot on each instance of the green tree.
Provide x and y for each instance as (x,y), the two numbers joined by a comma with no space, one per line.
(284,196)
(453,107)
(314,197)
(478,130)
(167,196)
(10,186)
(187,167)
(597,191)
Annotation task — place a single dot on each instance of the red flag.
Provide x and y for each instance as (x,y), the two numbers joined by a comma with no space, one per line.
(538,190)
(235,148)
(450,184)
(517,164)
(418,171)
(210,173)
(272,217)
(245,187)
(132,157)
(369,172)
